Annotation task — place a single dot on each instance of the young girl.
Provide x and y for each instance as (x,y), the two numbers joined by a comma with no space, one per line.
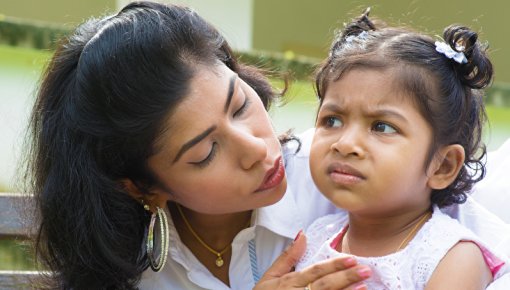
(398,137)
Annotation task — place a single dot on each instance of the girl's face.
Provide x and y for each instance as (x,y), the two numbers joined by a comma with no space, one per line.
(219,154)
(370,146)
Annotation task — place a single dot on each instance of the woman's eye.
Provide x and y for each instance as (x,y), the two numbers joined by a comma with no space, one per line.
(243,108)
(209,157)
(382,127)
(332,122)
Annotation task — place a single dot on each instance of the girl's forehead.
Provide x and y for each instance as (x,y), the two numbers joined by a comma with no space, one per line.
(395,82)
(369,89)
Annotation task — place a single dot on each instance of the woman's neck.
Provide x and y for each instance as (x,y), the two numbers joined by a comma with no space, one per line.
(216,231)
(379,236)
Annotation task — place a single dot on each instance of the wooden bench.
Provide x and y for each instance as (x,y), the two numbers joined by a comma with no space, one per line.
(13,227)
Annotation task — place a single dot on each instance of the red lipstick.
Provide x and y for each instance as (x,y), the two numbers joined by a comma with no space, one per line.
(274,176)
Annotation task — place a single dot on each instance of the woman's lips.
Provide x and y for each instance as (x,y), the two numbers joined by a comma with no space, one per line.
(274,176)
(344,174)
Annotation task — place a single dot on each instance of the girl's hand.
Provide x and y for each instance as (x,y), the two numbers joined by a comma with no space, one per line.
(337,273)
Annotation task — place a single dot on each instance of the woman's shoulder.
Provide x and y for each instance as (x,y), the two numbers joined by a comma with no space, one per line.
(300,146)
(493,192)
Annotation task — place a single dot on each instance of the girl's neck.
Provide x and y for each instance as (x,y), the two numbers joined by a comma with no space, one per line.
(380,236)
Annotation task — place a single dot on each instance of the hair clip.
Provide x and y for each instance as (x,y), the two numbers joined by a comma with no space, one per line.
(445,49)
(362,36)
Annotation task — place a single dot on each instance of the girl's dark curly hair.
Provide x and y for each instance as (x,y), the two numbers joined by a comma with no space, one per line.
(99,110)
(448,94)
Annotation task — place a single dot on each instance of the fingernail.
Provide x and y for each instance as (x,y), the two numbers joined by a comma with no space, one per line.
(349,262)
(360,287)
(298,235)
(364,272)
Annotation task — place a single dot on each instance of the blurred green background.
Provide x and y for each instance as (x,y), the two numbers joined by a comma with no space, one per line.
(288,29)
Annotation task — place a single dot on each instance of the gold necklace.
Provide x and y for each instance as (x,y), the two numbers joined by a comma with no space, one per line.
(422,220)
(219,259)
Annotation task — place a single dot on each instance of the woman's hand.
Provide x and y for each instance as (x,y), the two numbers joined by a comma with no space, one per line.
(337,273)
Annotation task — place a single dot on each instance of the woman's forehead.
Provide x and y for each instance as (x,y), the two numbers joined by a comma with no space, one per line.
(201,107)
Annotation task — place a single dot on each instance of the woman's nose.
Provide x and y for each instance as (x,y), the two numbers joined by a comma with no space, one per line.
(349,142)
(251,149)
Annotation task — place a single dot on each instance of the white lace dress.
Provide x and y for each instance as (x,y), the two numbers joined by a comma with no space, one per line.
(409,268)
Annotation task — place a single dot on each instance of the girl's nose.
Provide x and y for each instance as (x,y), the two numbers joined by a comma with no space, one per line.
(350,143)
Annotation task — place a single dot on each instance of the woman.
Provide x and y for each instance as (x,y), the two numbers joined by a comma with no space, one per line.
(146,116)
(145,109)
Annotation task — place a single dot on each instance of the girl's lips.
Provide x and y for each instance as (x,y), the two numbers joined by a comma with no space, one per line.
(344,174)
(274,176)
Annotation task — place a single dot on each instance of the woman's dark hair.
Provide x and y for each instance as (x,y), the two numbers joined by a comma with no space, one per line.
(100,107)
(448,94)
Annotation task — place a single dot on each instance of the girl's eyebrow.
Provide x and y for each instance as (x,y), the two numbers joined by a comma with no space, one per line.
(377,113)
(209,130)
(333,107)
(387,113)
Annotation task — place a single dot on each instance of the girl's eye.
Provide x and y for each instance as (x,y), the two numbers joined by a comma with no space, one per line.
(209,158)
(382,127)
(332,122)
(243,108)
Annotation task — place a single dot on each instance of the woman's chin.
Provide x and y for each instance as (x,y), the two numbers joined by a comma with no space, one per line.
(275,194)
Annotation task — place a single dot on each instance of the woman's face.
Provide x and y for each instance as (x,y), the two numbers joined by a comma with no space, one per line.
(219,153)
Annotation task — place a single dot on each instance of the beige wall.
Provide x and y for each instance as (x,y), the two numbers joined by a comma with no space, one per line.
(307,28)
(234,18)
(69,12)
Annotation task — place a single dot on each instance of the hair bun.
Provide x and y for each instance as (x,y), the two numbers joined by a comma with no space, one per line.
(358,25)
(477,72)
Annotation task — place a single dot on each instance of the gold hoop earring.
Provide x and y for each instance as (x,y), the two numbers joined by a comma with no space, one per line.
(155,263)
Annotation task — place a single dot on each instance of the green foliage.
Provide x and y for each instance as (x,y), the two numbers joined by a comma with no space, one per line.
(298,67)
(4,188)
(30,34)
(499,115)
(15,255)
(499,95)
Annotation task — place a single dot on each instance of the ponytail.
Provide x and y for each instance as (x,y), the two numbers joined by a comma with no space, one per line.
(477,72)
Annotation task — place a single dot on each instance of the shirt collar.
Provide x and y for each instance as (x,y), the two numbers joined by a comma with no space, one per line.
(282,217)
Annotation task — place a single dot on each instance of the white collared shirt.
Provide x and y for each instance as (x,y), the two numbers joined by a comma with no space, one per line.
(274,227)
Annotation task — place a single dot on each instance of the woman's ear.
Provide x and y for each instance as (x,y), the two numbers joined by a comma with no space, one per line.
(445,166)
(153,198)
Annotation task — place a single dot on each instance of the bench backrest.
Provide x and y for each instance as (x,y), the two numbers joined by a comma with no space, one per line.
(12,226)
(11,218)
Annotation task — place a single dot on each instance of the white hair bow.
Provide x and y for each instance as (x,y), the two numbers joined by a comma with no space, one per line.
(448,51)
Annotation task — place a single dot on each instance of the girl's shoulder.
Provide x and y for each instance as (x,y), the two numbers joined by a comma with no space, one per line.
(325,228)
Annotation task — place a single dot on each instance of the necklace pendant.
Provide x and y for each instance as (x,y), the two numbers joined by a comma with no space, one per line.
(219,262)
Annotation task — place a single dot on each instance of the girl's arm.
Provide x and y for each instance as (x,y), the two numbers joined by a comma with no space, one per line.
(463,267)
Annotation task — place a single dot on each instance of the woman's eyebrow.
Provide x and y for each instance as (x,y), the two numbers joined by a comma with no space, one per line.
(193,141)
(209,130)
(230,93)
